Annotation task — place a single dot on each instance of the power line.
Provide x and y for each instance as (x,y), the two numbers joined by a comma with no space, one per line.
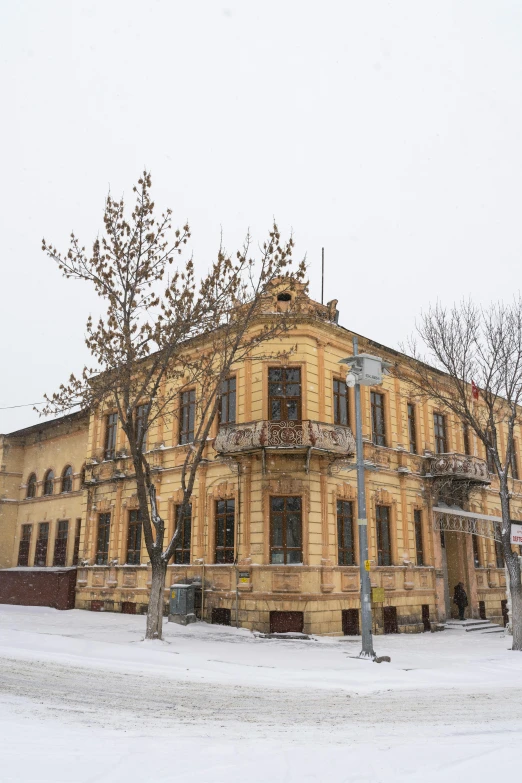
(27,405)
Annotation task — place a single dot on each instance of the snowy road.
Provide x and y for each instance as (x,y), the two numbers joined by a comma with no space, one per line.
(84,700)
(129,701)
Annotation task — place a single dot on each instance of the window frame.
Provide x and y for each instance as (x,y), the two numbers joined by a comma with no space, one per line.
(187,410)
(412,428)
(134,531)
(110,437)
(60,549)
(340,391)
(379,437)
(345,554)
(48,483)
(283,548)
(466,442)
(440,432)
(102,554)
(283,399)
(67,475)
(420,558)
(513,466)
(227,400)
(141,411)
(32,485)
(226,552)
(42,545)
(182,552)
(382,521)
(25,540)
(476,550)
(499,555)
(76,548)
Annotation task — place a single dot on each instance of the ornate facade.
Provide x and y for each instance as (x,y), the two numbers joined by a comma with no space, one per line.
(272,535)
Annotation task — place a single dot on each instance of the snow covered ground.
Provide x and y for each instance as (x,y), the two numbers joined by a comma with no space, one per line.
(84,700)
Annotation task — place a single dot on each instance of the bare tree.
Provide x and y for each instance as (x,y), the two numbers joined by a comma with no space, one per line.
(473,367)
(159,336)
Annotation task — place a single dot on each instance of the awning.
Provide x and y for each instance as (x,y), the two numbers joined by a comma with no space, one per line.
(456,520)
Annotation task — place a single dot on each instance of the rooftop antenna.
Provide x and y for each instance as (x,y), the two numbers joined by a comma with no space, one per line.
(322,275)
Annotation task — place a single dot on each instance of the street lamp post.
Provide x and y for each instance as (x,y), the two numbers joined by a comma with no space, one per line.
(365,370)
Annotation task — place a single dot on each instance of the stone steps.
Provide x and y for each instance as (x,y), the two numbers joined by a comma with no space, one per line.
(473,626)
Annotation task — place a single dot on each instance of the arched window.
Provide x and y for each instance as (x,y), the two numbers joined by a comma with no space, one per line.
(31,486)
(49,483)
(67,477)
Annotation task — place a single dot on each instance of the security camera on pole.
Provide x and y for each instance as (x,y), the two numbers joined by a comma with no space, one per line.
(365,370)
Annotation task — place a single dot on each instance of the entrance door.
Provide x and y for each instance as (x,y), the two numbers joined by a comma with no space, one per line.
(351,622)
(456,558)
(286,622)
(390,619)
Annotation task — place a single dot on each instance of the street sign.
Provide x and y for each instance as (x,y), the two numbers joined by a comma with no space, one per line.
(378,595)
(366,565)
(516,532)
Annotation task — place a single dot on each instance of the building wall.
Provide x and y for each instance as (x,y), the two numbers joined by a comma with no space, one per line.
(51,445)
(320,587)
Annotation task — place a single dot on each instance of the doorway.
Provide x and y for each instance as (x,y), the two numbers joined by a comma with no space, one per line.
(286,622)
(350,622)
(389,616)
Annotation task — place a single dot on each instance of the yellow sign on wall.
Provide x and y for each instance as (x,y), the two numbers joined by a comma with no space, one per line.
(378,595)
(367,565)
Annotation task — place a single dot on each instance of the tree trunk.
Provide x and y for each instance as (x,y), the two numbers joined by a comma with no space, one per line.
(511,559)
(155,611)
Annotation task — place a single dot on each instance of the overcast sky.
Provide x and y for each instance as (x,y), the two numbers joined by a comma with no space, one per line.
(388,132)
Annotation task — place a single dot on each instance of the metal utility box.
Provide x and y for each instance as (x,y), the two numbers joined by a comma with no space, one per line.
(367,368)
(181,604)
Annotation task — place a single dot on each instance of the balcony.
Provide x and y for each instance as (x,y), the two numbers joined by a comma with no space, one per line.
(289,435)
(463,467)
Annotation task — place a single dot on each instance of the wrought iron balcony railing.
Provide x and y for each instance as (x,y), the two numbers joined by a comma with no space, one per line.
(459,466)
(236,438)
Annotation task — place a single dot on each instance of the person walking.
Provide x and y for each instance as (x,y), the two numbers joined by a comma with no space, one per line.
(460,598)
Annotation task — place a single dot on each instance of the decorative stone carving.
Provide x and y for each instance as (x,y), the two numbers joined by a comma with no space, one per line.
(129,577)
(284,582)
(221,580)
(236,438)
(224,490)
(459,466)
(349,582)
(98,578)
(388,581)
(346,492)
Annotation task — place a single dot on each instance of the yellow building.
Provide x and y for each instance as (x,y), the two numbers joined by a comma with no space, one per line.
(41,496)
(272,535)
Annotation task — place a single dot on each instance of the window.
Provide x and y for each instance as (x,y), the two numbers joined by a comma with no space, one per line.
(67,478)
(25,543)
(227,402)
(40,556)
(499,555)
(76,552)
(49,483)
(142,412)
(489,456)
(225,519)
(419,547)
(382,515)
(378,424)
(111,428)
(31,486)
(102,549)
(345,532)
(286,538)
(182,551)
(284,394)
(514,463)
(439,426)
(187,416)
(134,538)
(60,543)
(412,429)
(340,402)
(466,441)
(476,555)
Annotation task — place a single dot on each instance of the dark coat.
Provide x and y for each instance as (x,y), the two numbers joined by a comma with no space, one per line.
(459,596)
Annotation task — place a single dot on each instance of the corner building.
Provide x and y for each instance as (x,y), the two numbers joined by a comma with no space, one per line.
(272,534)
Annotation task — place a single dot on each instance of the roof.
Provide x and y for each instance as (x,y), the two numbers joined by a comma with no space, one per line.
(47,425)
